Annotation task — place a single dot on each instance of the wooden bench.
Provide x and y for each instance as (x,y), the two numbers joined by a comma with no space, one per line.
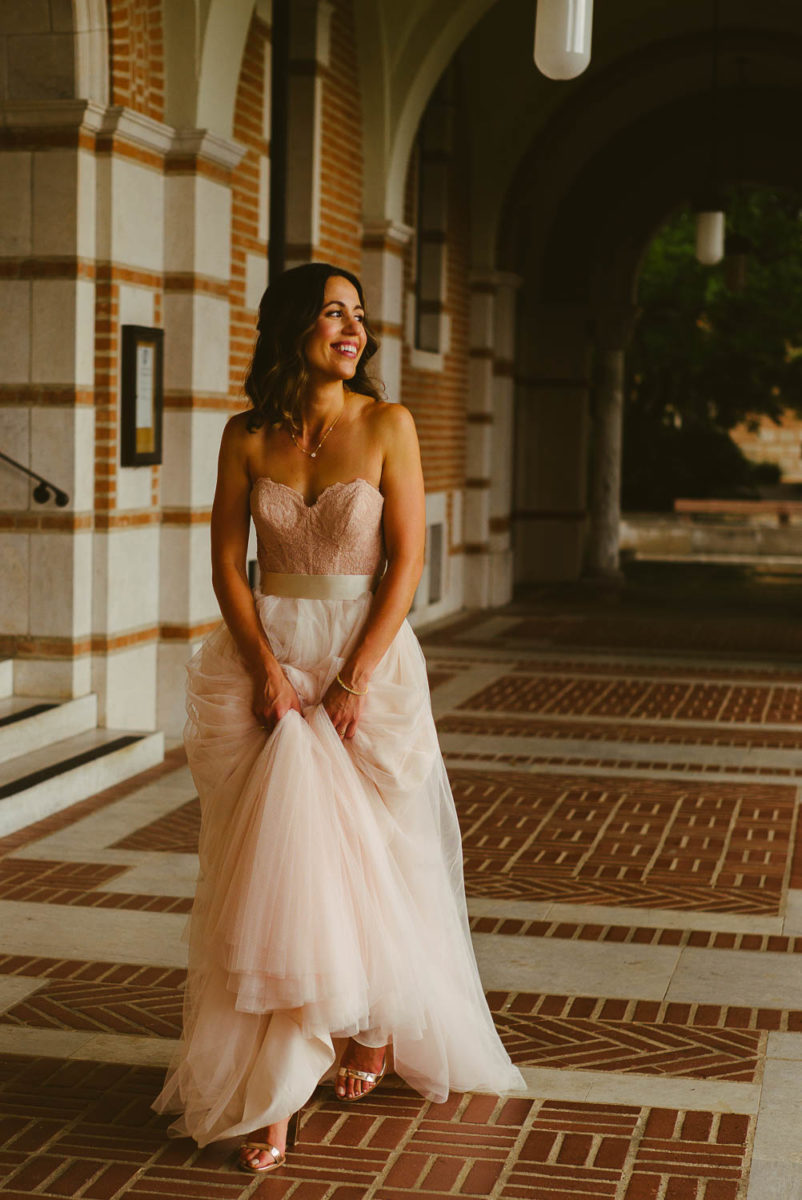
(782,509)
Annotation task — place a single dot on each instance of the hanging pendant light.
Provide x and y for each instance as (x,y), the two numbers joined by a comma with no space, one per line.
(710,236)
(562,37)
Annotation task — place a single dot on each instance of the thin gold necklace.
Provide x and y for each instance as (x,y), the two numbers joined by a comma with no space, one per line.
(314,453)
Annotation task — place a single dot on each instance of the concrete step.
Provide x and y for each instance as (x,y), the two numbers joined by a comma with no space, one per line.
(45,781)
(6,677)
(29,723)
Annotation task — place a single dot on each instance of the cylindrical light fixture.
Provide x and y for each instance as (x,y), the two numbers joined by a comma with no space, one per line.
(562,37)
(709,236)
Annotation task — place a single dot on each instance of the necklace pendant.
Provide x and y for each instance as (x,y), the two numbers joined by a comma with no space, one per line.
(313,454)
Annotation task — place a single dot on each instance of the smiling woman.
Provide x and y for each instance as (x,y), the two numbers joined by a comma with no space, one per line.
(330,919)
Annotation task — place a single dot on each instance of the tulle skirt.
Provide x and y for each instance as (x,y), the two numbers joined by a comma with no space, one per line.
(330,902)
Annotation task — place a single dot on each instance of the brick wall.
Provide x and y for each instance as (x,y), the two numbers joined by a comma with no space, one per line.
(246,201)
(341,152)
(136,43)
(438,399)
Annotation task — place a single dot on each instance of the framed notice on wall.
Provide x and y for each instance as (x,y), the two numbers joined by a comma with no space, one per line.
(141,401)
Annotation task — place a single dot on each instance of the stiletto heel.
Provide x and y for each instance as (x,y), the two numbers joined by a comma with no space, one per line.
(278,1158)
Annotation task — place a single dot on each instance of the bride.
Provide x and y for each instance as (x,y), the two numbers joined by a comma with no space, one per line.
(329,921)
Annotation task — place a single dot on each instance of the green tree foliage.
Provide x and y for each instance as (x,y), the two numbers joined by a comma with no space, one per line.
(706,357)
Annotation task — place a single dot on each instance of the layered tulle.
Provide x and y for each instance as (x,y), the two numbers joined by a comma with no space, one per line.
(330,902)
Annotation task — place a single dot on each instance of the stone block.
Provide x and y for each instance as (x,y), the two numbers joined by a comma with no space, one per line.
(53,334)
(24,16)
(15,330)
(55,202)
(14,554)
(15,203)
(125,681)
(40,67)
(15,487)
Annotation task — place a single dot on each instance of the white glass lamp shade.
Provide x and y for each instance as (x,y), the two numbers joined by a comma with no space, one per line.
(562,37)
(709,237)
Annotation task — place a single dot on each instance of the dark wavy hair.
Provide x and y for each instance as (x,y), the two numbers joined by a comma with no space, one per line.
(287,314)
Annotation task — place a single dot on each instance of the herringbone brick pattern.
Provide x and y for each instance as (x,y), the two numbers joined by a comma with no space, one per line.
(640,935)
(178,831)
(705,846)
(587,762)
(718,634)
(85,1130)
(574,1044)
(144,1010)
(47,882)
(644,1012)
(646,699)
(650,734)
(587,836)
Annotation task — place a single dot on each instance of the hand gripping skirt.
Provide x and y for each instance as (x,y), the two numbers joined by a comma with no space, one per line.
(330,900)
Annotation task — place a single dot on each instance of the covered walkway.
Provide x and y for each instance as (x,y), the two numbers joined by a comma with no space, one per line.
(626,775)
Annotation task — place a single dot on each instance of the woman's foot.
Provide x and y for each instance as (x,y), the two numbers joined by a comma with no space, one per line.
(274,1135)
(360,1058)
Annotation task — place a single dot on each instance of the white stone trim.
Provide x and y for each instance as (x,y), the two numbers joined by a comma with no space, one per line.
(135,127)
(394,232)
(45,114)
(207,145)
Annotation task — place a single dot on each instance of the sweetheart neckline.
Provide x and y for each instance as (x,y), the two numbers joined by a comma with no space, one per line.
(337,484)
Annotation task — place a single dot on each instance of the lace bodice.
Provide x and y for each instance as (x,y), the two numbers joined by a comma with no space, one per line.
(340,534)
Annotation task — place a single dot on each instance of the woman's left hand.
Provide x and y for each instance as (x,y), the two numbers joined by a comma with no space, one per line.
(344,709)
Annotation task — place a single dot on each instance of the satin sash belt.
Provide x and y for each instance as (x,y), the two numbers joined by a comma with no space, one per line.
(315,587)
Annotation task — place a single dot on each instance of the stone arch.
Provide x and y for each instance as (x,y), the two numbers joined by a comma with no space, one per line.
(405,83)
(578,236)
(91,35)
(201,85)
(224,39)
(58,53)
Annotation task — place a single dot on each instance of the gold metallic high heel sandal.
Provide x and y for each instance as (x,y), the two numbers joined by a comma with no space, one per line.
(279,1159)
(346,1073)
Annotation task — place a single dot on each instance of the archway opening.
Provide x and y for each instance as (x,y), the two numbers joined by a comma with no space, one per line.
(714,368)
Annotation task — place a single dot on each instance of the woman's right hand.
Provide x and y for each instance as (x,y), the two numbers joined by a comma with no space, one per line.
(273,697)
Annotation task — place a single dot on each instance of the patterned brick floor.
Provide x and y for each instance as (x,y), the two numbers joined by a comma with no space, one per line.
(614,731)
(713,847)
(586,762)
(601,841)
(45,882)
(86,1130)
(673,1126)
(628,698)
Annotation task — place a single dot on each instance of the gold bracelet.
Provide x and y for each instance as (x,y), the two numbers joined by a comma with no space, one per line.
(346,688)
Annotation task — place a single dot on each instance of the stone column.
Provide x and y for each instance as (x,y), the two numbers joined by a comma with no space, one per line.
(383,279)
(47,419)
(613,331)
(501,462)
(488,483)
(310,22)
(551,438)
(605,491)
(197,403)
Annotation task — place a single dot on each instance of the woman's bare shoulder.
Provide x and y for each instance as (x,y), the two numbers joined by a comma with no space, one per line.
(390,419)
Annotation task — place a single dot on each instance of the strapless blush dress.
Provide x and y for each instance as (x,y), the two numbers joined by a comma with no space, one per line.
(330,901)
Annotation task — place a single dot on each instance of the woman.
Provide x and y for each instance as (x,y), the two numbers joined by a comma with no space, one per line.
(330,906)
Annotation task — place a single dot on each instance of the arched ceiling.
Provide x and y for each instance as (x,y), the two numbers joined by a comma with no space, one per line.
(532,136)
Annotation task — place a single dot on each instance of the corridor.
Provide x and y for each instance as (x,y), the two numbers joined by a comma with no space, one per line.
(625,771)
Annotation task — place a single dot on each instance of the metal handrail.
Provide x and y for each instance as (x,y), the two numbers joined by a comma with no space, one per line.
(43,489)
